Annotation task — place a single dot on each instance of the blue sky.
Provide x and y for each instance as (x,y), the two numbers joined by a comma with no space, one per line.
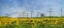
(42,6)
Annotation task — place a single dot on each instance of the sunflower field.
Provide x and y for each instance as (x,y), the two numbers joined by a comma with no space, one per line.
(31,23)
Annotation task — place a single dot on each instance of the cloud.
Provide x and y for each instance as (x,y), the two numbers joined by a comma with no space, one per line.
(54,5)
(31,5)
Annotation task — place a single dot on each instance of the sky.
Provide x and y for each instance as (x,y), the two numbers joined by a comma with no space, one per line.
(15,8)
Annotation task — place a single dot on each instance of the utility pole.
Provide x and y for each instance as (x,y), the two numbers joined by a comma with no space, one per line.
(7,14)
(0,13)
(27,15)
(20,15)
(50,12)
(23,14)
(31,13)
(14,13)
(37,14)
(61,12)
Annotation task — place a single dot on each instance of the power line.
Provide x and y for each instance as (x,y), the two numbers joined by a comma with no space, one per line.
(14,14)
(27,15)
(31,13)
(20,14)
(50,12)
(61,11)
(23,14)
(37,14)
(7,14)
